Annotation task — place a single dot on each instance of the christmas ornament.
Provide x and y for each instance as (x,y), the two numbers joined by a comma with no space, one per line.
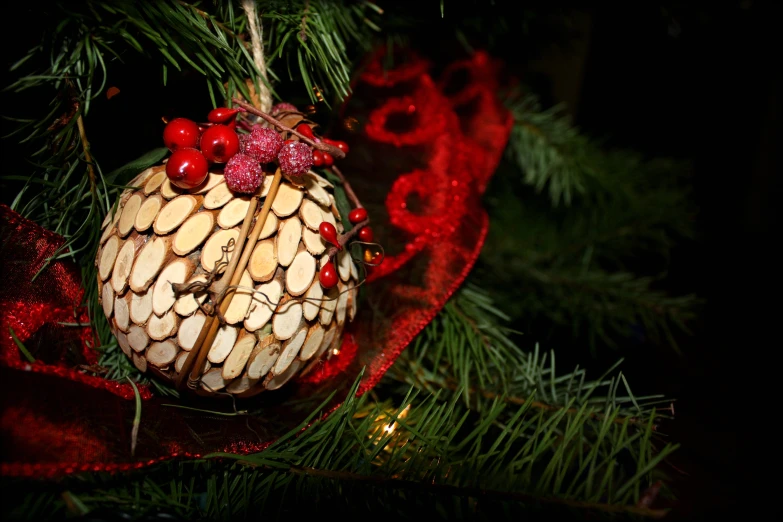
(222,281)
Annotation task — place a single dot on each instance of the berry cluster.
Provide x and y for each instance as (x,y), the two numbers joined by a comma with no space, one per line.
(328,273)
(195,146)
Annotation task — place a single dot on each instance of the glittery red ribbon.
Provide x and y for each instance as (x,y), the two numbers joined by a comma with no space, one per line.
(432,156)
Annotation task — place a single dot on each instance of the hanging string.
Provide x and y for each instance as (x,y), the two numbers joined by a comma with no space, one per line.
(257,46)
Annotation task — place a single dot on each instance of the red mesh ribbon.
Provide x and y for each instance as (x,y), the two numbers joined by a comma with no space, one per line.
(432,156)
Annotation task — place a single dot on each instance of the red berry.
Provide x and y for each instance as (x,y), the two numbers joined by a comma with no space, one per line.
(318,158)
(219,143)
(222,115)
(339,144)
(328,159)
(306,131)
(328,275)
(295,159)
(243,174)
(187,168)
(329,233)
(181,133)
(357,215)
(366,235)
(263,144)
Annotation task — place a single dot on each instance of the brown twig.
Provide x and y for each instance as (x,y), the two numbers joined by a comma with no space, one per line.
(303,30)
(87,156)
(348,189)
(343,239)
(322,146)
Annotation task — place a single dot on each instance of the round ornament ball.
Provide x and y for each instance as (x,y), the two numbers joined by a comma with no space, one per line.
(281,321)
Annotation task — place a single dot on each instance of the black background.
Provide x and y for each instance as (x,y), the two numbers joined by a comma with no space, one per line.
(703,86)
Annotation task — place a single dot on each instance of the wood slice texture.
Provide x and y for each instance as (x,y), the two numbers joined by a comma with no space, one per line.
(158,238)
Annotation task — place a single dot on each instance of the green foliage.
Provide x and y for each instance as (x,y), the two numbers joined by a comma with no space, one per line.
(575,253)
(449,453)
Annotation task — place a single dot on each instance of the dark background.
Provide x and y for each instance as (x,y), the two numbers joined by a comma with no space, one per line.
(695,82)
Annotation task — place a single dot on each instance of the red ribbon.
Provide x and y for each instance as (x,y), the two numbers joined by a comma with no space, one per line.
(422,189)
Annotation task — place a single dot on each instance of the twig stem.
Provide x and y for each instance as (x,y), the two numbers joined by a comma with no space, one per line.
(87,157)
(347,186)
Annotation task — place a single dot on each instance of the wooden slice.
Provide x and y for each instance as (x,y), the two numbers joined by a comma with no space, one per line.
(163,297)
(241,385)
(354,270)
(148,212)
(154,182)
(287,200)
(138,338)
(148,263)
(221,346)
(262,264)
(313,341)
(316,192)
(189,329)
(274,382)
(141,307)
(261,309)
(310,214)
(139,362)
(179,362)
(270,226)
(324,259)
(107,299)
(329,337)
(233,213)
(139,180)
(353,298)
(212,252)
(193,232)
(213,380)
(162,354)
(237,359)
(342,305)
(320,180)
(300,274)
(328,306)
(170,191)
(122,267)
(266,185)
(108,256)
(212,181)
(174,213)
(109,230)
(312,300)
(240,303)
(263,357)
(218,196)
(129,213)
(122,341)
(336,344)
(344,265)
(329,218)
(110,217)
(313,241)
(286,320)
(158,328)
(121,313)
(291,349)
(288,240)
(188,303)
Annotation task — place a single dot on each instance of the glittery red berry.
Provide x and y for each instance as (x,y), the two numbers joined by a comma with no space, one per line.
(305,130)
(283,107)
(181,133)
(357,215)
(222,115)
(263,144)
(329,233)
(219,143)
(243,174)
(328,275)
(366,235)
(318,158)
(187,168)
(295,159)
